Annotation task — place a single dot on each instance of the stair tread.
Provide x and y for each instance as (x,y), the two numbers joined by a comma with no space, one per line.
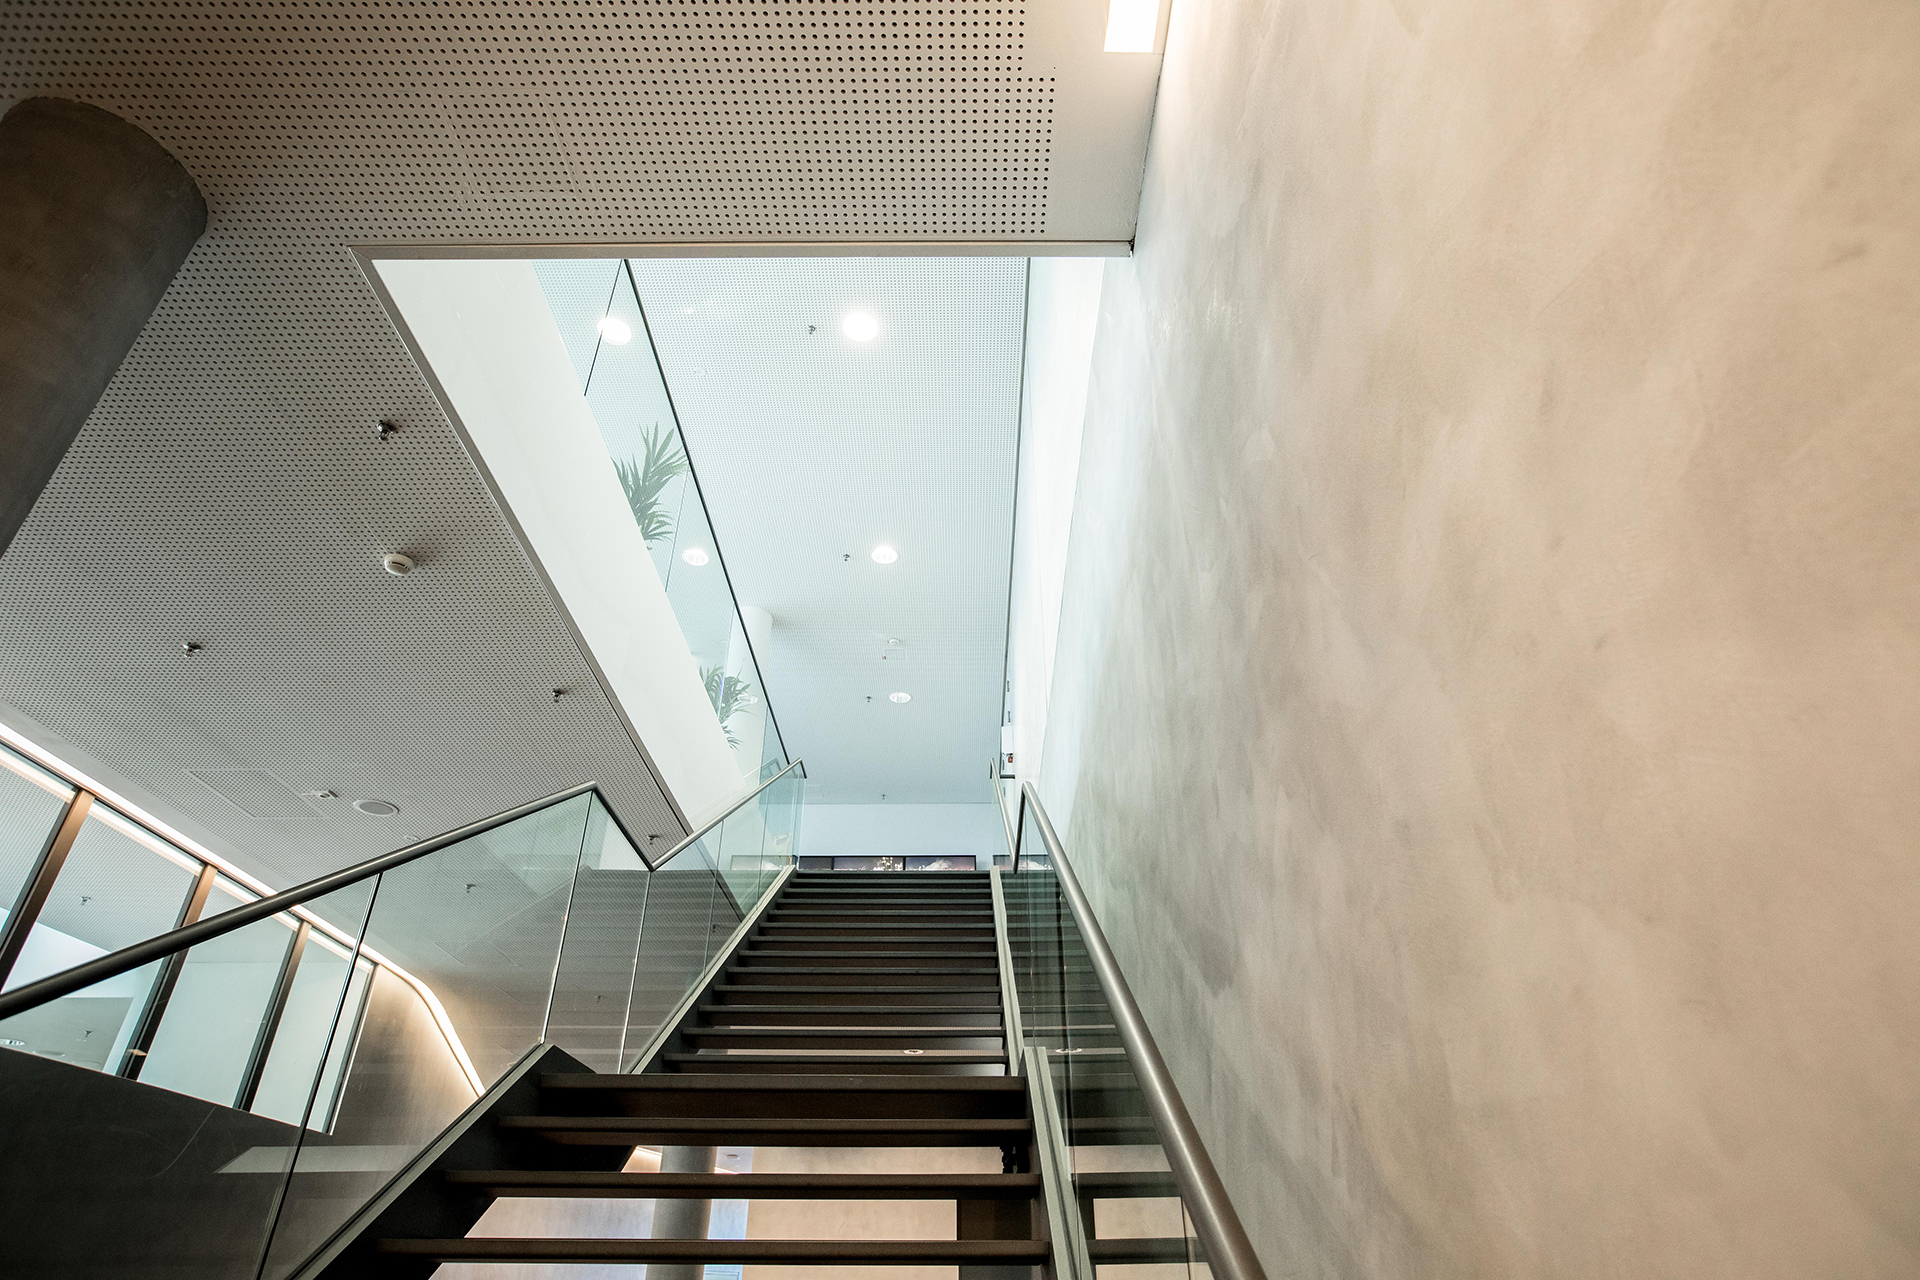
(737,1186)
(826,1252)
(846,1083)
(759,1124)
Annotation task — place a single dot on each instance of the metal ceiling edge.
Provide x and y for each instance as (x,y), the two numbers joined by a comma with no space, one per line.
(365,261)
(758,249)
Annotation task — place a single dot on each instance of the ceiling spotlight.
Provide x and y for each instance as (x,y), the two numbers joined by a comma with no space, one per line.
(899,697)
(860,326)
(376,808)
(615,330)
(695,556)
(884,554)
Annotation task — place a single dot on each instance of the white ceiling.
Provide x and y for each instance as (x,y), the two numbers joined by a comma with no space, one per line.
(812,448)
(228,488)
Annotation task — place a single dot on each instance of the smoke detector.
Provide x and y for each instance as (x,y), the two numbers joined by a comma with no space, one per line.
(396,564)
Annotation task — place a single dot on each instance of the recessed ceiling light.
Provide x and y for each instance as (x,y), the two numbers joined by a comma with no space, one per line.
(377,808)
(615,330)
(899,697)
(884,554)
(1131,25)
(860,326)
(695,556)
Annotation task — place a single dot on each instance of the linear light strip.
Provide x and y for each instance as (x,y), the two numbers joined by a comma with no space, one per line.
(53,764)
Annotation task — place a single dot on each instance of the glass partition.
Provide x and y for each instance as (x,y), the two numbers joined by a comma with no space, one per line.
(598,312)
(1130,1211)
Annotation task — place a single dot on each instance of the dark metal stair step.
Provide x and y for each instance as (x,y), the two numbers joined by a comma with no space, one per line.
(749,1252)
(785,1131)
(750,1186)
(890,1060)
(809,1015)
(817,1094)
(830,1037)
(1147,1183)
(1108,1253)
(798,996)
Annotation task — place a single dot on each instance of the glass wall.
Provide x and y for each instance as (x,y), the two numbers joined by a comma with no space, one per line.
(599,316)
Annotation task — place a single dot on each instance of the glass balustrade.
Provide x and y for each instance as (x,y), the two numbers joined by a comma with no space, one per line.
(1131,1217)
(327,1045)
(597,311)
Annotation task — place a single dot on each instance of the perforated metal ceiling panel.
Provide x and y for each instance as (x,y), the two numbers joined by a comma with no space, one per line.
(229,488)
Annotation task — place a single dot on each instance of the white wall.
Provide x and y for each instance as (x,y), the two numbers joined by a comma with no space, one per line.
(487,333)
(901,830)
(1063,304)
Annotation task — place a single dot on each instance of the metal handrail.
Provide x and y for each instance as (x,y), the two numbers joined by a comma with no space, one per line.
(731,809)
(160,946)
(1007,820)
(1229,1251)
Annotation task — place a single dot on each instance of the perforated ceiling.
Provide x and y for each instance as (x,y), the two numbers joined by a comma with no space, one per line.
(230,489)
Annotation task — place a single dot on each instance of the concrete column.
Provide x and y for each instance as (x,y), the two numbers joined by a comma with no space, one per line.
(95,219)
(681,1219)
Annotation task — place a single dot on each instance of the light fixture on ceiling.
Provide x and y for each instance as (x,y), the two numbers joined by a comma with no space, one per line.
(377,808)
(899,697)
(1131,25)
(615,330)
(884,554)
(860,326)
(695,556)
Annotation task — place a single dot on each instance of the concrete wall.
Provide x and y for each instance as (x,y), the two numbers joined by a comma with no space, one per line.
(1489,672)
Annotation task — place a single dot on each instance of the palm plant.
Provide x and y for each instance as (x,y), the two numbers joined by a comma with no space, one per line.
(729,696)
(644,478)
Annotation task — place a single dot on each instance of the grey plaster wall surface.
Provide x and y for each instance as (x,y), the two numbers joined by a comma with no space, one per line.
(1489,674)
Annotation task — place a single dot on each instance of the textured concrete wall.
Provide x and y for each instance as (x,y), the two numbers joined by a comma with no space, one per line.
(1488,693)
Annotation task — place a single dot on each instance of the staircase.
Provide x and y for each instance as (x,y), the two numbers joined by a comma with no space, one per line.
(861,1011)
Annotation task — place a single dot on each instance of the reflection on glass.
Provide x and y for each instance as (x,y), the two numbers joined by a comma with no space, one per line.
(288,1074)
(1122,1182)
(594,989)
(459,955)
(31,804)
(628,396)
(120,885)
(209,1033)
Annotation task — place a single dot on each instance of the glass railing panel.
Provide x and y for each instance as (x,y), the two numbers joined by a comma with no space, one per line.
(599,317)
(593,992)
(120,885)
(32,802)
(222,996)
(460,950)
(292,1061)
(675,938)
(1136,1224)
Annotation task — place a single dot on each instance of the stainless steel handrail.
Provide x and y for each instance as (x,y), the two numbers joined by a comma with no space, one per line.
(1229,1252)
(732,809)
(1007,820)
(163,945)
